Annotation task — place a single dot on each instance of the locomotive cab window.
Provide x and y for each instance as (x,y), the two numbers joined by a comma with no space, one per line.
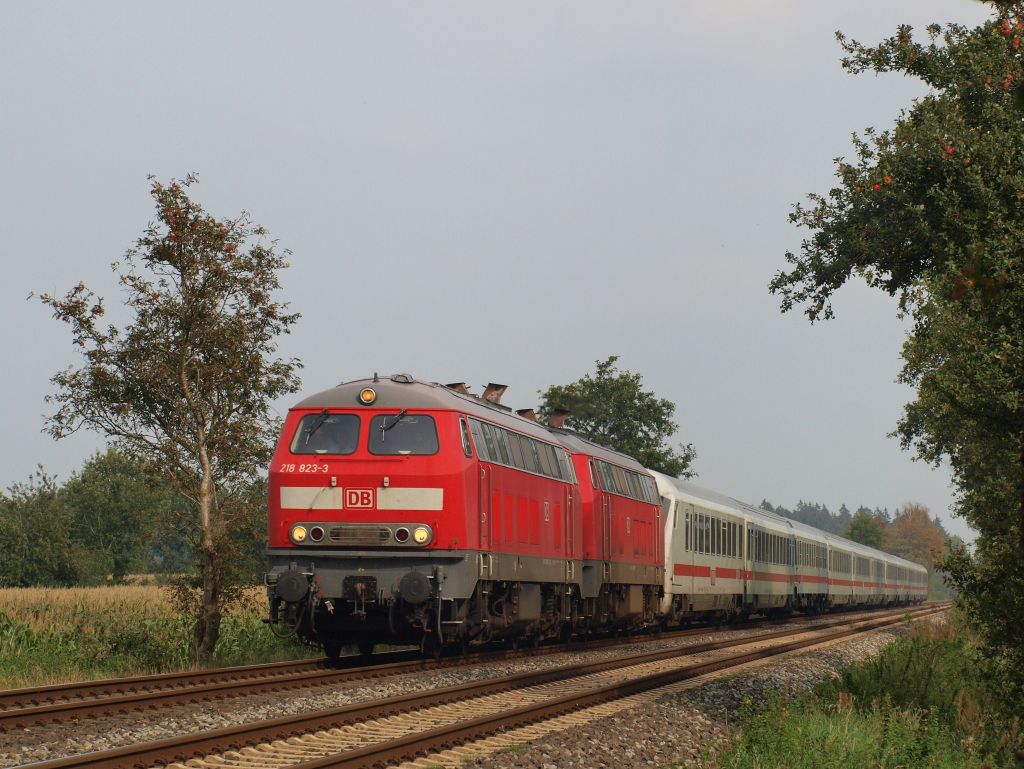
(325,433)
(403,434)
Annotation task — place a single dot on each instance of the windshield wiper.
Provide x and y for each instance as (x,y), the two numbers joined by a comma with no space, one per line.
(384,426)
(317,426)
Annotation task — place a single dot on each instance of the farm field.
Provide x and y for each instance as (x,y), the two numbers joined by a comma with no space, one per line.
(54,635)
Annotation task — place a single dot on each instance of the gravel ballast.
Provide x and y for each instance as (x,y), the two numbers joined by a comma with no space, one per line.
(684,727)
(631,739)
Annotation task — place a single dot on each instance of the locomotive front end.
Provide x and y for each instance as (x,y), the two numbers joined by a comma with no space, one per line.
(367,516)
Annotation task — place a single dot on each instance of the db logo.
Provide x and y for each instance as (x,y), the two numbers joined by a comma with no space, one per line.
(359,498)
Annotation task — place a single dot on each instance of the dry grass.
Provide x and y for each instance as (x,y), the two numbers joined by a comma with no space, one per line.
(62,634)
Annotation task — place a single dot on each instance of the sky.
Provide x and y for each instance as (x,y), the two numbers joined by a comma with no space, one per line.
(482,192)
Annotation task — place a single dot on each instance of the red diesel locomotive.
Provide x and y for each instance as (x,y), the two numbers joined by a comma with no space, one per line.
(411,512)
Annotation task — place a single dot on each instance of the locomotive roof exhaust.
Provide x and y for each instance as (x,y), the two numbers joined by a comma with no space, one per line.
(557,418)
(459,387)
(493,392)
(528,414)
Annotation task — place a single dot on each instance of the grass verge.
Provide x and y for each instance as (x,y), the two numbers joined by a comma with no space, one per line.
(920,704)
(54,635)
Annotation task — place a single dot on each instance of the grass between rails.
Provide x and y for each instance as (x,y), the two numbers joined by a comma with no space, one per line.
(922,703)
(55,635)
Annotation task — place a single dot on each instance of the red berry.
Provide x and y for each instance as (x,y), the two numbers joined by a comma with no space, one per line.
(949,149)
(1007,29)
(888,179)
(858,188)
(876,186)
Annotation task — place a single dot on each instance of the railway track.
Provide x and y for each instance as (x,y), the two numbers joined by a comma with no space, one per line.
(38,706)
(399,728)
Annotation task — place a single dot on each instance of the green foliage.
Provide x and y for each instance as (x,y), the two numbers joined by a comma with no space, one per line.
(930,211)
(35,537)
(918,704)
(118,510)
(866,529)
(186,385)
(611,408)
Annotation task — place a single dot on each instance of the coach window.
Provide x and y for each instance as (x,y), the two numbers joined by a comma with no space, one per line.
(325,433)
(403,434)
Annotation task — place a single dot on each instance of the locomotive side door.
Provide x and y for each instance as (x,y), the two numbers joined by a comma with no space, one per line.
(485,507)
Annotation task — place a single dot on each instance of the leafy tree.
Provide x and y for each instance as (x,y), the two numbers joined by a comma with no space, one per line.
(612,408)
(866,529)
(35,537)
(186,385)
(930,212)
(118,508)
(913,534)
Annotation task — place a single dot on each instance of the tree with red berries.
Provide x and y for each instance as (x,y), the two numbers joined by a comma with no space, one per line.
(932,212)
(187,383)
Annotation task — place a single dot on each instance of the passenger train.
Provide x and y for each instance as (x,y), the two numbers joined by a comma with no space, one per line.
(411,512)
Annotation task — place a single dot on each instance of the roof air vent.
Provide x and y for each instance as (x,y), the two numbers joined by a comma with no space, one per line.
(402,378)
(459,387)
(557,418)
(493,392)
(528,414)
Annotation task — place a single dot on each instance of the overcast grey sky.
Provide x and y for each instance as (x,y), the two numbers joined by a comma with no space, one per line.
(482,192)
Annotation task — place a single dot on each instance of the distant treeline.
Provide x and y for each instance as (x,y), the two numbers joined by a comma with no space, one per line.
(109,520)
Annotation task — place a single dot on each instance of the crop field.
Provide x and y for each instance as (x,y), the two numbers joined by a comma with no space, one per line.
(52,635)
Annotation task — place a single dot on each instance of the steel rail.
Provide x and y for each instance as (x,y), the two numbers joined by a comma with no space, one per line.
(37,696)
(93,699)
(183,748)
(445,737)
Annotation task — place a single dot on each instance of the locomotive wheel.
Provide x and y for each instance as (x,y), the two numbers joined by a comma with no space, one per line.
(332,650)
(430,646)
(366,648)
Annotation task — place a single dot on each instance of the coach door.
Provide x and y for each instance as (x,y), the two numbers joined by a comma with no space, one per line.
(748,564)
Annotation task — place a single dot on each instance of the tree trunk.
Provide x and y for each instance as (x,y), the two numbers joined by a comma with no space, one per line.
(207,627)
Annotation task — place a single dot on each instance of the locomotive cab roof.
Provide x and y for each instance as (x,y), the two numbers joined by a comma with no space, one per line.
(402,391)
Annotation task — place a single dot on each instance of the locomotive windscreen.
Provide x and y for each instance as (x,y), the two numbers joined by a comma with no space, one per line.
(403,434)
(326,434)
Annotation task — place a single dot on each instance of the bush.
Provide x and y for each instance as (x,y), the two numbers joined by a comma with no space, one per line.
(920,703)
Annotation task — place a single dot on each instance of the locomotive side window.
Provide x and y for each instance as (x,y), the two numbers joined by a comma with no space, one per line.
(515,449)
(403,434)
(466,448)
(325,433)
(501,443)
(476,428)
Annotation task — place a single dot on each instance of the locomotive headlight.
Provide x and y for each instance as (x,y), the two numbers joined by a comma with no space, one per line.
(299,534)
(420,535)
(367,396)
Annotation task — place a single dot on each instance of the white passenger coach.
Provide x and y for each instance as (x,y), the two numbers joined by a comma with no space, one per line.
(725,556)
